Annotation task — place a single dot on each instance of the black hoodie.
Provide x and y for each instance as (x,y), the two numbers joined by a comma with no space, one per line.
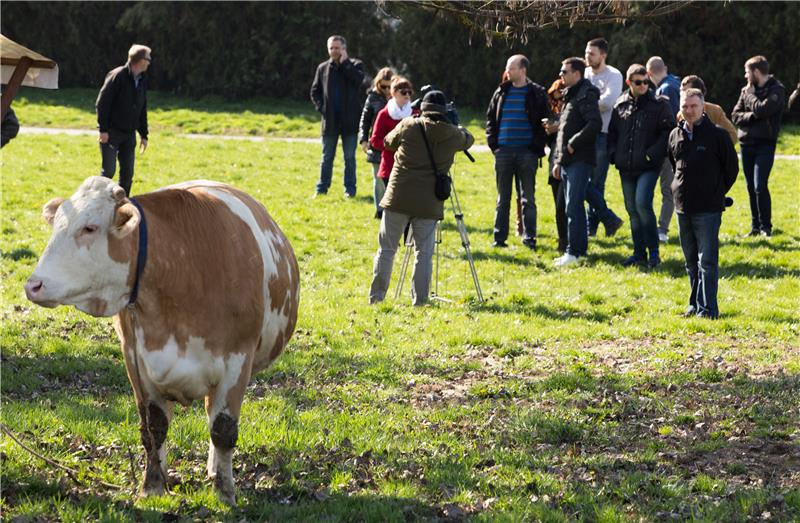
(705,167)
(758,114)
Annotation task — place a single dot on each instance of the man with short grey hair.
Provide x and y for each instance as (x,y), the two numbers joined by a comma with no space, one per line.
(122,111)
(668,85)
(336,94)
(706,168)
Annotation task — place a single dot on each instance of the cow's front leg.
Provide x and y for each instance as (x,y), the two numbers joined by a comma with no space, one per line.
(223,405)
(154,422)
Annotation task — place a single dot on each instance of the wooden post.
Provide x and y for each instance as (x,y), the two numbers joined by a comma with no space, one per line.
(14,83)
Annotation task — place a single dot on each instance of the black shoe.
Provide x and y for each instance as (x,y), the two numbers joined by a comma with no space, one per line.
(498,243)
(349,195)
(766,232)
(633,260)
(653,261)
(530,244)
(613,226)
(753,232)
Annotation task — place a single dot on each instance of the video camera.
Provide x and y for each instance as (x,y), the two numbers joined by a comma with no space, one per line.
(452,114)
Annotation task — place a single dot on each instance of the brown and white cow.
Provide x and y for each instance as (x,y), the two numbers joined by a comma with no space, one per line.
(217,299)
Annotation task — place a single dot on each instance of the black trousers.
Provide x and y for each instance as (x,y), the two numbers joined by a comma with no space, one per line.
(124,148)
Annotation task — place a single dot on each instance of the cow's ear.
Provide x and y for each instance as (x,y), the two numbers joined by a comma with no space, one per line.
(126,218)
(49,210)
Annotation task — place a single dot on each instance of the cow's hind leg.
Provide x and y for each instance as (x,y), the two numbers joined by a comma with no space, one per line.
(154,422)
(223,405)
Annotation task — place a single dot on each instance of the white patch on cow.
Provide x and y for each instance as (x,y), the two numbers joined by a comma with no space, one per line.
(180,377)
(275,321)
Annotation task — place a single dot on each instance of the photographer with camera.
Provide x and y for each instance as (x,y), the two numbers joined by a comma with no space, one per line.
(412,196)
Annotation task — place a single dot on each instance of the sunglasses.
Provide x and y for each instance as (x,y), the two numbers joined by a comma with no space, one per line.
(384,86)
(563,72)
(406,92)
(639,82)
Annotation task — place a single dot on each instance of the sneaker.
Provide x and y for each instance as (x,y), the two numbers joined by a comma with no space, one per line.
(499,244)
(613,226)
(530,244)
(766,232)
(566,260)
(653,261)
(752,232)
(633,260)
(689,312)
(662,237)
(349,195)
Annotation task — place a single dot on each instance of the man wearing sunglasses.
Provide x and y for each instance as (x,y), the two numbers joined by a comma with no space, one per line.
(121,111)
(336,94)
(575,153)
(637,145)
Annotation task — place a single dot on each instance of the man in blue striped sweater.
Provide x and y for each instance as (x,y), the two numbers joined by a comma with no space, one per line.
(515,135)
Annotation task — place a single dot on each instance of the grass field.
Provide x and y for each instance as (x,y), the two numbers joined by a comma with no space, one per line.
(568,395)
(74,108)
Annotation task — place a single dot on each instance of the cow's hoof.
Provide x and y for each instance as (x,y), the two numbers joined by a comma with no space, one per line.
(225,490)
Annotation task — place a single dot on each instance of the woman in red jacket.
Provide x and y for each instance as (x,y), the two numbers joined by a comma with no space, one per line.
(399,107)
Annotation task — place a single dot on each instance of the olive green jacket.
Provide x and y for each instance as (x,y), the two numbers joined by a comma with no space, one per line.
(411,185)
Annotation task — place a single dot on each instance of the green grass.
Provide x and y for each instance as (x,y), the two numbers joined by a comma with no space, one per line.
(168,114)
(568,395)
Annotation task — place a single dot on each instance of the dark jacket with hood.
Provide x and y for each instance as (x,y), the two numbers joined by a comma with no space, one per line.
(536,108)
(122,105)
(705,167)
(639,132)
(324,93)
(375,102)
(580,123)
(758,114)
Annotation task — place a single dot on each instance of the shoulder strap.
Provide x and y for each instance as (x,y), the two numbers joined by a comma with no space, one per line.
(427,146)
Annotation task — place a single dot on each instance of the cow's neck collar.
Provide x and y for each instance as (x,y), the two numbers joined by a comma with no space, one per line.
(141,258)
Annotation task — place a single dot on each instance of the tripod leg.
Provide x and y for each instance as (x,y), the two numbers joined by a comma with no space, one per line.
(462,230)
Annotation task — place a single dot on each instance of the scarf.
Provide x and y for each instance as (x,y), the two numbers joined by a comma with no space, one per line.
(397,112)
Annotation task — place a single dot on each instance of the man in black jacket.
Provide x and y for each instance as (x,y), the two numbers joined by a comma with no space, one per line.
(757,114)
(336,94)
(574,157)
(515,135)
(637,145)
(121,111)
(705,168)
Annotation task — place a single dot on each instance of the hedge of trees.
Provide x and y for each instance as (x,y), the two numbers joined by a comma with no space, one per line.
(243,49)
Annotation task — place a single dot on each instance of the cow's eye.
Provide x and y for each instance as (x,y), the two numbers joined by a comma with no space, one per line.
(89,229)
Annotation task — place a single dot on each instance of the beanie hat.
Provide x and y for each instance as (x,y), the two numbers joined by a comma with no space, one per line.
(434,102)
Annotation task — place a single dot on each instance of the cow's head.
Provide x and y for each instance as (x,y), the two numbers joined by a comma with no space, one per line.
(88,260)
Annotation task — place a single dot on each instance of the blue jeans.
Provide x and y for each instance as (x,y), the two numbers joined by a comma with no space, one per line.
(329,142)
(515,167)
(575,178)
(757,163)
(638,193)
(125,150)
(699,234)
(598,179)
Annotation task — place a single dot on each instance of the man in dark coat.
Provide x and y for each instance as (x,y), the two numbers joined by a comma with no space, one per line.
(336,94)
(575,155)
(121,111)
(637,144)
(515,135)
(757,114)
(705,169)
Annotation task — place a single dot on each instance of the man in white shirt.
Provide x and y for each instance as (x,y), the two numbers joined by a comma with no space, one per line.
(608,80)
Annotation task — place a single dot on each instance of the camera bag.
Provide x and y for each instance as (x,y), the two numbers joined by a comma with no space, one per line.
(443,181)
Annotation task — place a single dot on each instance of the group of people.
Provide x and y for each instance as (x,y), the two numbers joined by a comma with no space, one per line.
(657,129)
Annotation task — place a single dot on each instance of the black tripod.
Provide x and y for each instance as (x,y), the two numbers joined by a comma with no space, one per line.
(462,231)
